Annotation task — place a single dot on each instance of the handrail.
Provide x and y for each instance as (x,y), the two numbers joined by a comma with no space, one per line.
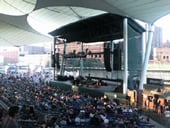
(3,105)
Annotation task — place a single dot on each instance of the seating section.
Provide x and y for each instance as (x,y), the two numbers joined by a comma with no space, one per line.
(50,106)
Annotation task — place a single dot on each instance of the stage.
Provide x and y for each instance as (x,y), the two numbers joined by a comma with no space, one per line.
(93,91)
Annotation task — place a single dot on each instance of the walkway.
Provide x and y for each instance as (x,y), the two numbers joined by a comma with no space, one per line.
(157,125)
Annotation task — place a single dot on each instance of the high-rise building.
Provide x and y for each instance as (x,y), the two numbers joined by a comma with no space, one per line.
(157,37)
(157,41)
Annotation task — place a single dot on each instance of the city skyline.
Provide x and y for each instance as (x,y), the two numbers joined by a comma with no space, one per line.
(164,24)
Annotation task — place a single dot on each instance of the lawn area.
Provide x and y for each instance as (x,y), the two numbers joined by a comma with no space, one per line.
(159,66)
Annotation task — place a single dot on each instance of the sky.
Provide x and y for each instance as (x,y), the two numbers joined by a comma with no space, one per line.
(164,23)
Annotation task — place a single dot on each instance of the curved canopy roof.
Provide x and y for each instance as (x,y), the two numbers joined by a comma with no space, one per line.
(104,27)
(28,21)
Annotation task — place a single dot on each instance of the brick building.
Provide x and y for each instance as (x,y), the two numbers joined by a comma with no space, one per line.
(93,50)
(162,54)
(10,55)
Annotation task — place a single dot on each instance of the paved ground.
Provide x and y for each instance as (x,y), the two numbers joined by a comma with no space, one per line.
(160,121)
(157,125)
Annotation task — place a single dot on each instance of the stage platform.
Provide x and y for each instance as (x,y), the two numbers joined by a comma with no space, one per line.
(93,91)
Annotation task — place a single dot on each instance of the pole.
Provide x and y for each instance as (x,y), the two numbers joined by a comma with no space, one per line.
(81,61)
(62,63)
(146,59)
(112,58)
(143,50)
(54,49)
(125,36)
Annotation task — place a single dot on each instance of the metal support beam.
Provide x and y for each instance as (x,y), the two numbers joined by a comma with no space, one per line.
(143,51)
(143,46)
(63,59)
(125,36)
(81,61)
(112,58)
(146,59)
(54,52)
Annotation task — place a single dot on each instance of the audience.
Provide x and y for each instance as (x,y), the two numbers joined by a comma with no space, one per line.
(42,105)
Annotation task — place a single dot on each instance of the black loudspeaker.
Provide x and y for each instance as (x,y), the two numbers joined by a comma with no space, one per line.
(107,57)
(117,59)
(57,60)
(53,60)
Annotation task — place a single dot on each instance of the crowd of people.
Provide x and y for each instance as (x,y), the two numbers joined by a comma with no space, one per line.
(34,104)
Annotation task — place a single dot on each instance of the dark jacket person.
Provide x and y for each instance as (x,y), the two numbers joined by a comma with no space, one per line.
(10,120)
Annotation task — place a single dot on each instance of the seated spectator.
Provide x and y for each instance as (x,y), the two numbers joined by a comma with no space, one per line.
(63,121)
(77,120)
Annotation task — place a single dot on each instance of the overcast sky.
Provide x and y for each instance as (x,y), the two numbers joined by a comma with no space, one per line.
(164,23)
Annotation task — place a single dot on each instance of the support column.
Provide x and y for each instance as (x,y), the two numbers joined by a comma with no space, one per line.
(112,59)
(54,52)
(125,47)
(81,61)
(143,50)
(146,59)
(63,59)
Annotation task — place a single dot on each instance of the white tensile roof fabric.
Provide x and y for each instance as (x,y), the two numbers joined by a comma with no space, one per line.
(28,21)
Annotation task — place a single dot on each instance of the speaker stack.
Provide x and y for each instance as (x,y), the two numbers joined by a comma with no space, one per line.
(107,47)
(55,60)
(117,58)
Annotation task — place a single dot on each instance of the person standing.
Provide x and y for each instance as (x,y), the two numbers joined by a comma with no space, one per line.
(10,121)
